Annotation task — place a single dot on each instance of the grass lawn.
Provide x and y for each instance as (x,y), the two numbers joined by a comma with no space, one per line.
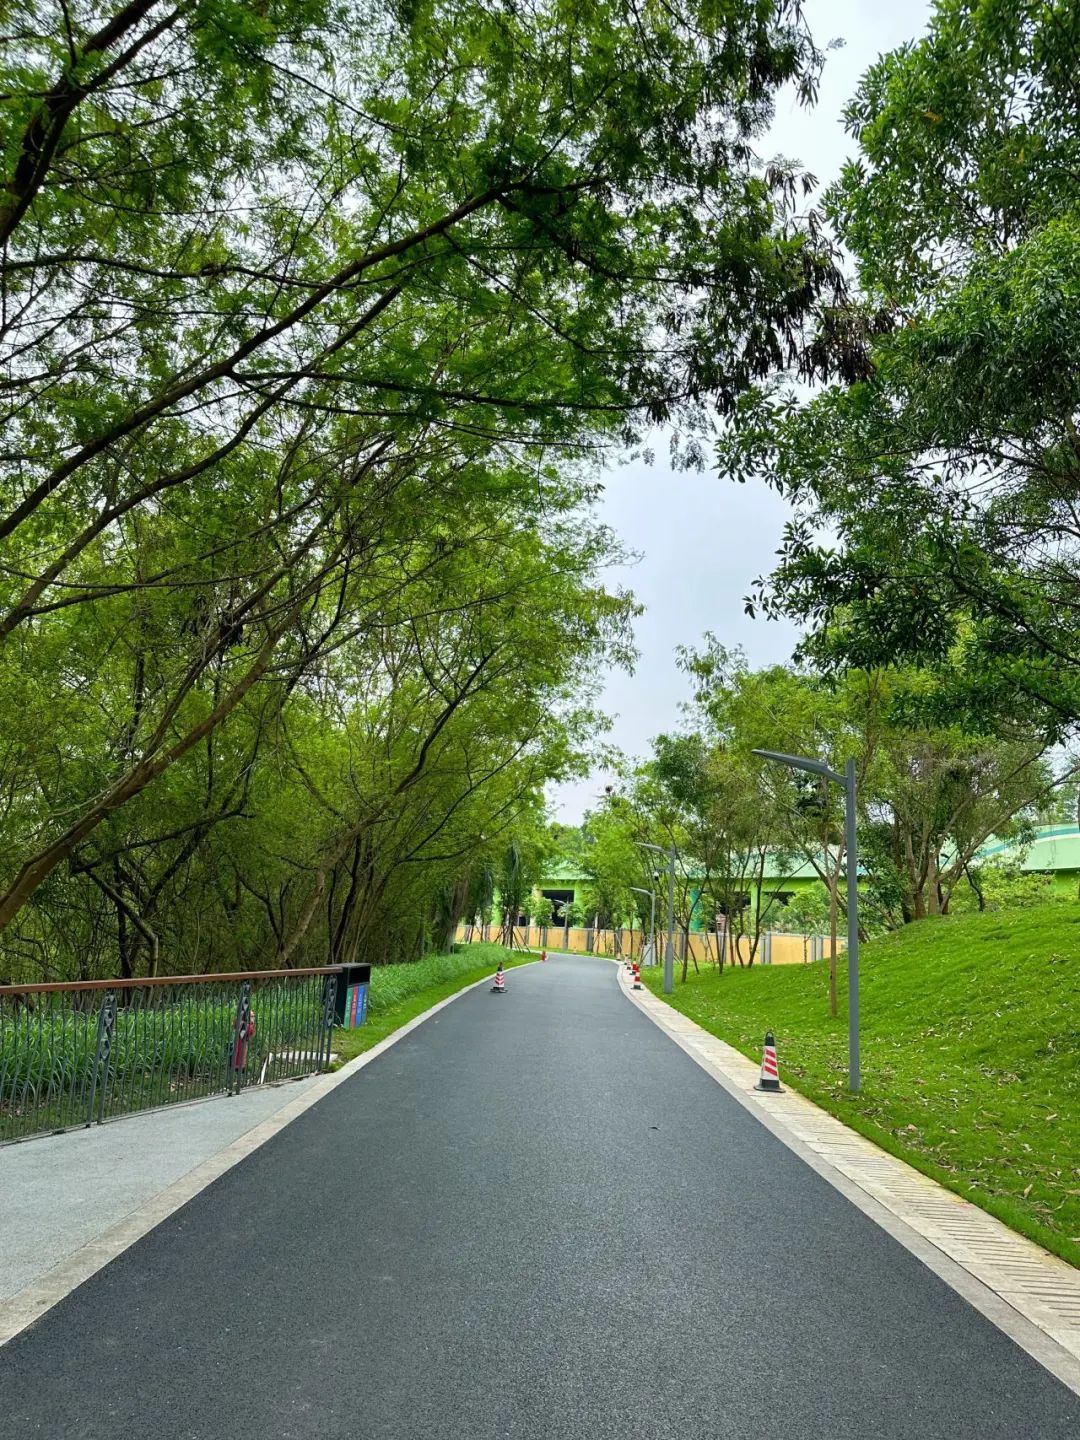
(970,1053)
(401,992)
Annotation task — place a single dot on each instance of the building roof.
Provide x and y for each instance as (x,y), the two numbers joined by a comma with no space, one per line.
(795,869)
(562,870)
(1054,848)
(564,873)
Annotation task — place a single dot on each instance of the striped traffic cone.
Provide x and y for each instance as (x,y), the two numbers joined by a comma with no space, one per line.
(499,988)
(637,976)
(770,1071)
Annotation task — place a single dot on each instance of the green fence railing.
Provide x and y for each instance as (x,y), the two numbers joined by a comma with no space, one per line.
(73,1054)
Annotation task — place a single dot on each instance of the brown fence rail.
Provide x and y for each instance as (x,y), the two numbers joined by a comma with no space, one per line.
(96,1049)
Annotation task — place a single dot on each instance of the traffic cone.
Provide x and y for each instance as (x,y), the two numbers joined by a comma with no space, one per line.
(770,1071)
(637,976)
(499,988)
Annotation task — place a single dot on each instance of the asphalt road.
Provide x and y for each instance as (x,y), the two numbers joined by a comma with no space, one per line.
(533,1217)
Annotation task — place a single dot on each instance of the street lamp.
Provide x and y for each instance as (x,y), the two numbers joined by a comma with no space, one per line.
(847,780)
(652,919)
(669,953)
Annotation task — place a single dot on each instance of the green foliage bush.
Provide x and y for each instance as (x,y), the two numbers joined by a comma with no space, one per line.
(391,984)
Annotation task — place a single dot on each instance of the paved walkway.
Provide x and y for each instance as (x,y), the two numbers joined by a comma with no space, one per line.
(60,1193)
(533,1217)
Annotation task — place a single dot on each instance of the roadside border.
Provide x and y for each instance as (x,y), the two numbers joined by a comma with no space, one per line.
(1030,1294)
(26,1306)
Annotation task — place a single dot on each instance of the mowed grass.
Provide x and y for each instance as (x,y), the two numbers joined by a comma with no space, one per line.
(970,1053)
(401,992)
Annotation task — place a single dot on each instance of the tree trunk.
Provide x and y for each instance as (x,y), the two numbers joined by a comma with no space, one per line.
(133,915)
(979,896)
(933,888)
(310,906)
(126,970)
(37,870)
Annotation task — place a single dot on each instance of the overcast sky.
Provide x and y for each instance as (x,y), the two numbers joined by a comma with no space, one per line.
(703,540)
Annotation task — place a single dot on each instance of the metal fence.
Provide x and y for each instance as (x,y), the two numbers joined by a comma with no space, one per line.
(90,1051)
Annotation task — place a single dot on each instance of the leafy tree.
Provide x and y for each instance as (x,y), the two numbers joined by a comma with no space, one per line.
(1005,885)
(727,833)
(783,709)
(611,861)
(522,863)
(541,909)
(806,913)
(948,792)
(574,913)
(947,468)
(930,794)
(301,307)
(362,811)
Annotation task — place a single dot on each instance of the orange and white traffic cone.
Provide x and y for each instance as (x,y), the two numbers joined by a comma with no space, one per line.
(770,1071)
(637,975)
(499,988)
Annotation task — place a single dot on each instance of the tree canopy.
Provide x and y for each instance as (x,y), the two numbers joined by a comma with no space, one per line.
(317,323)
(929,798)
(944,476)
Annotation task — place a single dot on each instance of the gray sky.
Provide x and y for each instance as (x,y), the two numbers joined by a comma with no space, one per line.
(704,540)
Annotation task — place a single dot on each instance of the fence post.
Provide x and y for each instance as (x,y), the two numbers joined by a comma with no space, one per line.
(329,1015)
(106,1028)
(243,1010)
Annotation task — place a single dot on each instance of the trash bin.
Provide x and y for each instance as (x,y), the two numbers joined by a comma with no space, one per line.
(352,994)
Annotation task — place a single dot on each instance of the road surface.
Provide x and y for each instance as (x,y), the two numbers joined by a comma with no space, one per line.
(533,1217)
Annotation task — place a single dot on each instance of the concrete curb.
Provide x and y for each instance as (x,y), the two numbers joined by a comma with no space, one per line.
(1030,1294)
(30,1303)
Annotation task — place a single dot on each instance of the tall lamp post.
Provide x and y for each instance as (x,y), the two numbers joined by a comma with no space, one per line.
(669,952)
(847,780)
(637,890)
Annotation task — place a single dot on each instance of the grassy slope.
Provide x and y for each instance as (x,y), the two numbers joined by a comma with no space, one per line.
(401,992)
(970,1054)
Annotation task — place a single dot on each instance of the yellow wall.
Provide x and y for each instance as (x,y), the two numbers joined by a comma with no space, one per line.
(783,949)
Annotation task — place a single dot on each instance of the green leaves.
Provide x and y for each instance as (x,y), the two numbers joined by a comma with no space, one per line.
(945,472)
(318,321)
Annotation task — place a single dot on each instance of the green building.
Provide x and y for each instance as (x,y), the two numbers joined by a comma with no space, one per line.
(1055,852)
